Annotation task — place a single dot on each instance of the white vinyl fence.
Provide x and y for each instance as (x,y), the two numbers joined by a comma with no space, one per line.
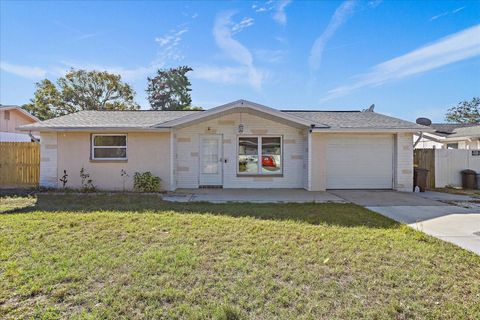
(449,164)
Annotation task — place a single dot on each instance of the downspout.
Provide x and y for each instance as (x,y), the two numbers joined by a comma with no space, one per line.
(420,136)
(32,137)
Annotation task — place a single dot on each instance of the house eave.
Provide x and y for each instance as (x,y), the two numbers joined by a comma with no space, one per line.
(368,130)
(94,129)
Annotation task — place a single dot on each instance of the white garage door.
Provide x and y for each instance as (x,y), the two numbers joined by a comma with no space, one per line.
(360,162)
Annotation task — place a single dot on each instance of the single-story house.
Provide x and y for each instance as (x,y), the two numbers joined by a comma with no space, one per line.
(237,145)
(11,117)
(450,136)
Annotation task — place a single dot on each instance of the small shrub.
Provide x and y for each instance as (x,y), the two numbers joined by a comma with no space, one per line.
(87,183)
(146,182)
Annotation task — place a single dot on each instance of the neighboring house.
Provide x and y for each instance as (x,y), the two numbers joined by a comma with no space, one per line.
(11,117)
(237,145)
(450,136)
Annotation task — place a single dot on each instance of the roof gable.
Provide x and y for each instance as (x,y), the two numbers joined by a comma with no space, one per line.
(20,110)
(238,105)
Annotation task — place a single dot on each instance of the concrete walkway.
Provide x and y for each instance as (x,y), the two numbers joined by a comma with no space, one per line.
(252,195)
(423,211)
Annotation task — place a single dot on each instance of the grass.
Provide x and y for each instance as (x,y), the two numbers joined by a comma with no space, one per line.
(466,192)
(135,257)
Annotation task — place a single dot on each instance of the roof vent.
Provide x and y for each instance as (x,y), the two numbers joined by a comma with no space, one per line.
(424,121)
(370,109)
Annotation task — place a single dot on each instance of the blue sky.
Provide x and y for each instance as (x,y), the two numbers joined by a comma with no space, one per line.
(409,58)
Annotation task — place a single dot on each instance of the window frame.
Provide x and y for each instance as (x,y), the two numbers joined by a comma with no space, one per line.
(259,172)
(452,146)
(93,147)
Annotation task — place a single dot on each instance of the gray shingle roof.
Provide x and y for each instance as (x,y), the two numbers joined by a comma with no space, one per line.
(355,120)
(446,129)
(470,131)
(110,119)
(148,119)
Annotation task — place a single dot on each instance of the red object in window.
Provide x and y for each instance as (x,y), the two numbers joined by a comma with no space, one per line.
(268,161)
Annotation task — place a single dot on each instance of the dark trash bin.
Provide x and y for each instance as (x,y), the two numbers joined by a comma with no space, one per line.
(420,179)
(469,179)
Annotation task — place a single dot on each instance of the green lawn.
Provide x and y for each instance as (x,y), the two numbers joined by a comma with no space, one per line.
(134,257)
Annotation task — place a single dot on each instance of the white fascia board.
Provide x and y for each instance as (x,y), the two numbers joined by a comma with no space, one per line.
(93,129)
(370,130)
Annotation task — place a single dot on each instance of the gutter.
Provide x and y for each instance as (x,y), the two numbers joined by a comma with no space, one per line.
(94,129)
(370,130)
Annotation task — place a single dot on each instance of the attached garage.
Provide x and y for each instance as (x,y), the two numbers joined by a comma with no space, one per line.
(360,161)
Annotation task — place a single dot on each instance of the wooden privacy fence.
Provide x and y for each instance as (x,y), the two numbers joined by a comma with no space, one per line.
(425,159)
(19,164)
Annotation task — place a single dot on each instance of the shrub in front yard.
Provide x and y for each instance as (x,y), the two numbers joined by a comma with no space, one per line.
(146,182)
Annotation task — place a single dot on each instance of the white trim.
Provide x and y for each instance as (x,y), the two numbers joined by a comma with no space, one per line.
(370,130)
(90,129)
(173,161)
(309,159)
(93,147)
(259,154)
(233,105)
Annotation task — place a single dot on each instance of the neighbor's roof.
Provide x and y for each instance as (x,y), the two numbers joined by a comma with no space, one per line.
(20,109)
(446,129)
(151,120)
(355,120)
(467,131)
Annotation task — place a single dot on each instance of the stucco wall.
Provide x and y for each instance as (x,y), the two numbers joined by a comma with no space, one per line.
(294,151)
(146,152)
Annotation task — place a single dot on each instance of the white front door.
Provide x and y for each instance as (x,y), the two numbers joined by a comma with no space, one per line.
(211,169)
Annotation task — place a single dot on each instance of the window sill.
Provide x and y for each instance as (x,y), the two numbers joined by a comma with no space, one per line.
(109,160)
(258,175)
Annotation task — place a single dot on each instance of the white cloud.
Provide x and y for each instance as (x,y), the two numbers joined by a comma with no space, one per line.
(169,44)
(339,17)
(270,56)
(280,16)
(228,75)
(456,47)
(29,72)
(278,7)
(244,23)
(234,49)
(446,13)
(374,3)
(172,38)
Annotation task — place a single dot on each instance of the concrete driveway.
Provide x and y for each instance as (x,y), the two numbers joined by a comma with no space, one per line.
(424,212)
(252,195)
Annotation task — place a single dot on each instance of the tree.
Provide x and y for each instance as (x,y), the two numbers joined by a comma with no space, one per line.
(465,112)
(46,103)
(170,89)
(81,90)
